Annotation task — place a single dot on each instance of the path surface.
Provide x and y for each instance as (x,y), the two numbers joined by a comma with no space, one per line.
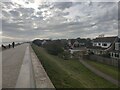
(26,77)
(12,60)
(22,69)
(99,73)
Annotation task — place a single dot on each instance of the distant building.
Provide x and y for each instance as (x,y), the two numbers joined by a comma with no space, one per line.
(109,45)
(103,42)
(77,43)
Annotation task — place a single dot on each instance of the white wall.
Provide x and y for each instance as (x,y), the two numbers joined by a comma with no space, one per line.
(117,46)
(100,44)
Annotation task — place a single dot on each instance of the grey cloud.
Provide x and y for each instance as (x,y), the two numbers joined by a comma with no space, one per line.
(63,5)
(110,13)
(90,19)
(7,5)
(15,13)
(5,14)
(26,12)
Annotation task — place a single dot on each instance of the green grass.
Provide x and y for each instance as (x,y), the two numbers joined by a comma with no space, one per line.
(107,69)
(69,73)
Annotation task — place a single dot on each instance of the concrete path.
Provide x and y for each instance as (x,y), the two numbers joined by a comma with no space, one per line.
(26,79)
(11,63)
(22,69)
(99,73)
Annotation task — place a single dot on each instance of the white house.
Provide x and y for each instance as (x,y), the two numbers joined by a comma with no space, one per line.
(102,45)
(103,42)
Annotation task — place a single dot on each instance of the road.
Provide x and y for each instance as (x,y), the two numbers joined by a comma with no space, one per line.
(13,62)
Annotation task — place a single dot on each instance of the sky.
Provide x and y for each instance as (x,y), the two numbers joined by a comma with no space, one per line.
(25,20)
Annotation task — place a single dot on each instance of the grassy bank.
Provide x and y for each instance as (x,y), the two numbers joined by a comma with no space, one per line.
(69,73)
(107,69)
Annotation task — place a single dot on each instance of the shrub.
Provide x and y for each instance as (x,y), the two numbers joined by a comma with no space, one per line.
(54,48)
(66,55)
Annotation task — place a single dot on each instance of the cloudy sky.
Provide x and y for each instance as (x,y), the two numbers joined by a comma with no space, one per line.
(29,19)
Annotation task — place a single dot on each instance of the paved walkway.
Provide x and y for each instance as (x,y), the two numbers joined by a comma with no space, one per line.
(20,70)
(12,60)
(99,73)
(26,76)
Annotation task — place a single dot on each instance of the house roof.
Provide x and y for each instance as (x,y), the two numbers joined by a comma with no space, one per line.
(105,39)
(72,40)
(81,40)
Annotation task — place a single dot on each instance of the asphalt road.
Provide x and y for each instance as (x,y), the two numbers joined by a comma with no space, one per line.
(12,60)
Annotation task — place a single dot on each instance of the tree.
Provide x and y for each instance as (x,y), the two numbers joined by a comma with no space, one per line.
(37,42)
(54,47)
(65,55)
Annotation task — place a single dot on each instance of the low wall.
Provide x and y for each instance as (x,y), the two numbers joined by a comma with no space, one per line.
(41,78)
(109,61)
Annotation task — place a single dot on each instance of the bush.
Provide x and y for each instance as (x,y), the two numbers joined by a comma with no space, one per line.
(76,55)
(54,48)
(66,55)
(37,42)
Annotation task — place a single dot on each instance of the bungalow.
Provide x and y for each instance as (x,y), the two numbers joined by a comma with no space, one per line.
(103,42)
(106,45)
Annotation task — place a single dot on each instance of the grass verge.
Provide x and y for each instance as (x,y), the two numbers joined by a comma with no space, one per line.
(69,73)
(107,69)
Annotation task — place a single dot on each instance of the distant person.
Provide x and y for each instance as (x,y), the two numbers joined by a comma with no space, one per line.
(13,44)
(3,46)
(9,45)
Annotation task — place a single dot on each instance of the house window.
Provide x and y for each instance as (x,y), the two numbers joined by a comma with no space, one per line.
(116,55)
(119,46)
(112,54)
(94,44)
(104,44)
(99,44)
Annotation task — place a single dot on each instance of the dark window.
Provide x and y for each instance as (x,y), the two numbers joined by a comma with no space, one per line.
(104,44)
(116,55)
(111,54)
(119,46)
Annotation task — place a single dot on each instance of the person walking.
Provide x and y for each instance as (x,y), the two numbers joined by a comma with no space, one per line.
(13,44)
(9,45)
